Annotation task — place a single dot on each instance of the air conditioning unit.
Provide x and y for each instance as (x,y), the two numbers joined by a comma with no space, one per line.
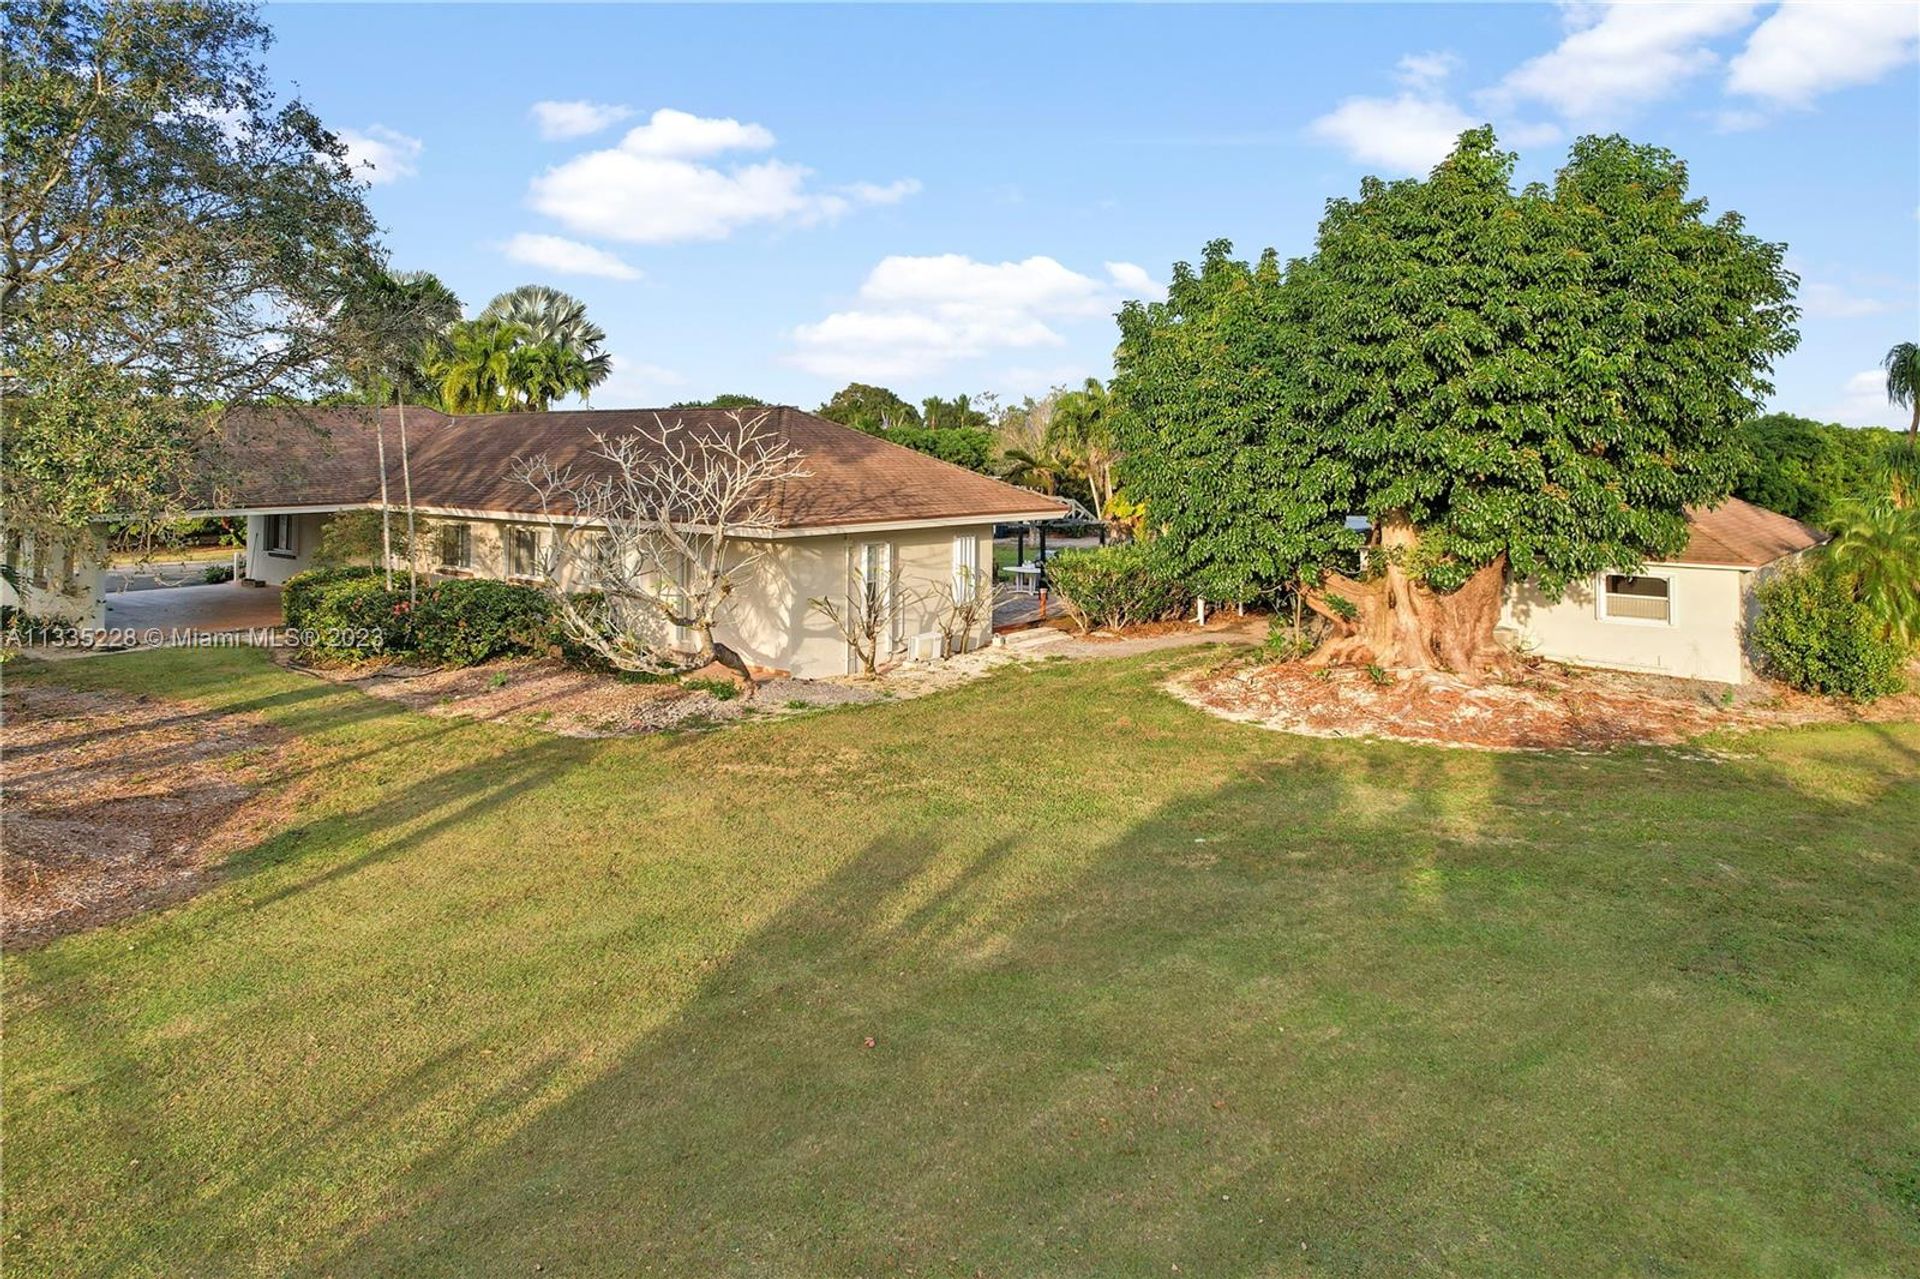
(928,646)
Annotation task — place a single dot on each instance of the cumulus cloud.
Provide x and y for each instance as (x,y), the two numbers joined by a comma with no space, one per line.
(1406,134)
(381,154)
(1135,281)
(662,185)
(918,315)
(576,119)
(566,257)
(1862,402)
(1804,50)
(1621,56)
(1822,300)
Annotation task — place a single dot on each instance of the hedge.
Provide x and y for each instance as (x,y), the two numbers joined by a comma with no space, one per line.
(349,612)
(1812,633)
(1116,586)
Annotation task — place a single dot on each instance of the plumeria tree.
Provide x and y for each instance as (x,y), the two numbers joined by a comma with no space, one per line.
(655,530)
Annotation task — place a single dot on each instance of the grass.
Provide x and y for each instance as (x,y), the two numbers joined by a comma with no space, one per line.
(1204,997)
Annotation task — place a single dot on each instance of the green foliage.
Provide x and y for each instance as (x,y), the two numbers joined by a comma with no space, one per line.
(1551,375)
(347,612)
(1902,363)
(461,623)
(1807,469)
(720,689)
(1876,551)
(356,537)
(215,574)
(1814,634)
(961,446)
(727,400)
(1113,586)
(961,413)
(173,234)
(873,409)
(573,359)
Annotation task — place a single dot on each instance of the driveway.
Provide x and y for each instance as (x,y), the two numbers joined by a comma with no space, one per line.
(169,614)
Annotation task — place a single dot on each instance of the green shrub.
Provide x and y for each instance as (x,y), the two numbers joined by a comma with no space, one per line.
(347,612)
(1812,633)
(464,622)
(297,597)
(217,573)
(1116,585)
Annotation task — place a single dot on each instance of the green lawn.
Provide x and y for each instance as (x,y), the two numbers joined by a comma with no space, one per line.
(1213,998)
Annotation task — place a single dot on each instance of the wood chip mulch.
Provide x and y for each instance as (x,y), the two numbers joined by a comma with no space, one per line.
(117,804)
(1547,708)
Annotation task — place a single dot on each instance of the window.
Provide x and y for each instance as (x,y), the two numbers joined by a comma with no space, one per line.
(873,563)
(456,546)
(966,568)
(523,552)
(280,535)
(1624,598)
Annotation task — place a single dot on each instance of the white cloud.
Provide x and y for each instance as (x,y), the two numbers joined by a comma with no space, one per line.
(1425,70)
(1804,50)
(652,189)
(1621,56)
(887,193)
(683,135)
(918,315)
(566,257)
(1862,402)
(1825,301)
(575,119)
(1135,281)
(635,384)
(1407,134)
(381,154)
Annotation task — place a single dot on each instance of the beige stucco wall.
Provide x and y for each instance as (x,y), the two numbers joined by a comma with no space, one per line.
(770,620)
(1702,639)
(62,580)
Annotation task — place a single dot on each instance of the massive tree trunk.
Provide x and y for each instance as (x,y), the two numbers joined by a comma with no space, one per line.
(1396,621)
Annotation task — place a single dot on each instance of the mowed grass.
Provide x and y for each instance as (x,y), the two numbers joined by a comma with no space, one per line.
(1145,990)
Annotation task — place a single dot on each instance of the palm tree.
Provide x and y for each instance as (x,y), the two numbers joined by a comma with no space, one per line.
(1902,363)
(1084,423)
(473,366)
(538,373)
(560,319)
(1876,547)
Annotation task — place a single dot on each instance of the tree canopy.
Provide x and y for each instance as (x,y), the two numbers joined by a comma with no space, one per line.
(1543,379)
(1808,469)
(176,242)
(725,400)
(869,408)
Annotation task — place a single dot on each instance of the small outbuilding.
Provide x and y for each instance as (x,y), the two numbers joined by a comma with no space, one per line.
(1686,617)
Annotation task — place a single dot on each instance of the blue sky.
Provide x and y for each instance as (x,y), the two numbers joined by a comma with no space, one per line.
(779,200)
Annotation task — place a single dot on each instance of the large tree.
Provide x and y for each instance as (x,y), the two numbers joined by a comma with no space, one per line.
(1535,383)
(869,408)
(554,318)
(177,243)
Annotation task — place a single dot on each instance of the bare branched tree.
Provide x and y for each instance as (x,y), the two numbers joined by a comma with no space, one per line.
(865,615)
(654,531)
(963,603)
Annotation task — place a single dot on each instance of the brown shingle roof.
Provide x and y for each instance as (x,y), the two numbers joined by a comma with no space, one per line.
(328,457)
(1740,533)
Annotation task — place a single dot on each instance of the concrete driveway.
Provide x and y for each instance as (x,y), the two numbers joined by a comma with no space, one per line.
(171,613)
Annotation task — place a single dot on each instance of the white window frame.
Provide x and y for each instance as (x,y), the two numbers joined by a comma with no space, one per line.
(966,568)
(281,548)
(1600,594)
(884,555)
(514,532)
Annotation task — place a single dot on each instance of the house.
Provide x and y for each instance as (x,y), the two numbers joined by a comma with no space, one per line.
(865,511)
(1686,616)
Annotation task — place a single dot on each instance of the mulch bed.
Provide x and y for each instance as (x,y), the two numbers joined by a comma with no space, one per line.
(117,804)
(1548,708)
